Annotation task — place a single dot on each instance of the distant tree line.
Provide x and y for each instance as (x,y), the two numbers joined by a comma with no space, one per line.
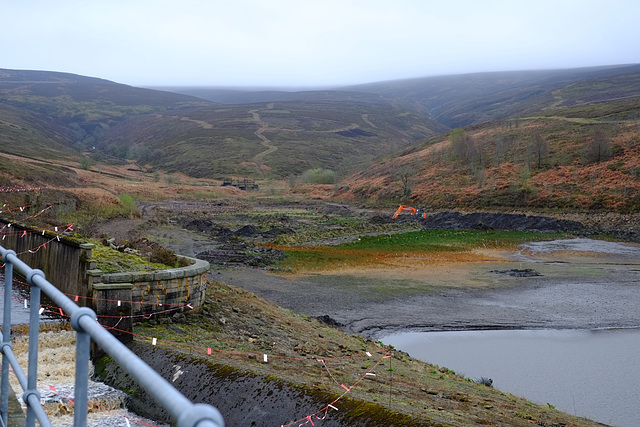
(529,149)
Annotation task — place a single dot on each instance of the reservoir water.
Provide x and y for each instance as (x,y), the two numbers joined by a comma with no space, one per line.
(19,314)
(589,373)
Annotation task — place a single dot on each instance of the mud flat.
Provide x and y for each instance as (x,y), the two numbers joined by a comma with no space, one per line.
(578,284)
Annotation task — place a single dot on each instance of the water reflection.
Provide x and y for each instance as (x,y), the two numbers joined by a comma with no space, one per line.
(590,373)
(19,293)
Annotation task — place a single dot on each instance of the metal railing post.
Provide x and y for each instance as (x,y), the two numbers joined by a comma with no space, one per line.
(6,338)
(83,353)
(81,401)
(34,332)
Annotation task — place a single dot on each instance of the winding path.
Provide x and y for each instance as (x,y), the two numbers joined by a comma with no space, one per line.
(266,142)
(365,118)
(201,123)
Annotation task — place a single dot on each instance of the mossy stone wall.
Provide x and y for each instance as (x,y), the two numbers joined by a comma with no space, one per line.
(119,299)
(135,296)
(64,261)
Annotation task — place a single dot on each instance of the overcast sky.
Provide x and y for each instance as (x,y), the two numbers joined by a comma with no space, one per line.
(311,42)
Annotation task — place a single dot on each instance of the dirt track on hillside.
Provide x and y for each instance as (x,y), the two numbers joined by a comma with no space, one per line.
(266,142)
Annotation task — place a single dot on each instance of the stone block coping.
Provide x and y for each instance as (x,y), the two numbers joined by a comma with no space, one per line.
(198,267)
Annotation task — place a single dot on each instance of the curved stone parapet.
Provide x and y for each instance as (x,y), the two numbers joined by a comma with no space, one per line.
(118,299)
(128,297)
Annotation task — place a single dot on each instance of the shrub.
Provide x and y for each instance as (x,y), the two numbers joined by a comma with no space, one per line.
(597,149)
(129,207)
(86,163)
(164,256)
(319,176)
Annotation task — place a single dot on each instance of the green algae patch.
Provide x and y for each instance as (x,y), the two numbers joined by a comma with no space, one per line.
(372,251)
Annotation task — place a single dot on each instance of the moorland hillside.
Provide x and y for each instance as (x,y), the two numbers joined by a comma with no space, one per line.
(462,100)
(578,150)
(274,140)
(107,122)
(564,139)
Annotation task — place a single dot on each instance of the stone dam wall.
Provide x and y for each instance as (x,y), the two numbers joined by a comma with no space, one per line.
(64,261)
(119,299)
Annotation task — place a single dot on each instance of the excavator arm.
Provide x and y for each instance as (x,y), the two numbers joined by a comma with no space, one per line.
(419,212)
(404,208)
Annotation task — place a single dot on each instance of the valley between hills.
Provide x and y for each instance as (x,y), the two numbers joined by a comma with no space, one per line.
(484,155)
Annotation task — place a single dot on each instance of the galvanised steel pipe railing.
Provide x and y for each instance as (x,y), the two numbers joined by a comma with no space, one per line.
(83,321)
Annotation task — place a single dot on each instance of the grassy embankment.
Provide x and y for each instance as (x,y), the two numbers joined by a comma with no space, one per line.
(425,394)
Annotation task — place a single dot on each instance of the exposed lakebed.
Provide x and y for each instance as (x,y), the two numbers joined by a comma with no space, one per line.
(549,319)
(569,285)
(580,284)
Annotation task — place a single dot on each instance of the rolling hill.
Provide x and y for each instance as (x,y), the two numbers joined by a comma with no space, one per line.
(273,140)
(535,139)
(182,133)
(77,109)
(453,100)
(462,100)
(577,150)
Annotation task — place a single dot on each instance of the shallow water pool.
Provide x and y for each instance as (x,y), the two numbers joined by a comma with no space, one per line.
(589,373)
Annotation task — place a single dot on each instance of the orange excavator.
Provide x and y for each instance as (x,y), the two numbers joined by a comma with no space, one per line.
(416,212)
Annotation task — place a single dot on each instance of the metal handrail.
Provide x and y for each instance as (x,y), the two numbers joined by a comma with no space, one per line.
(83,321)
